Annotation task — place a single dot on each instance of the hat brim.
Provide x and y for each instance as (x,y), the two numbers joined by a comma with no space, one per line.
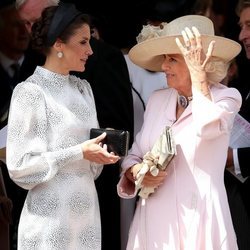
(149,54)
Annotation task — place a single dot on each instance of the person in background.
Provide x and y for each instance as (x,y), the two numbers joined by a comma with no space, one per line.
(15,66)
(238,158)
(188,208)
(14,41)
(30,10)
(49,151)
(107,73)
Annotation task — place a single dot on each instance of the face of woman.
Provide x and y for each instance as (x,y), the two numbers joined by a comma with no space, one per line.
(176,71)
(77,50)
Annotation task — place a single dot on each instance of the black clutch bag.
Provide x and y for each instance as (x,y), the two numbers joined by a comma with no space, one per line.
(117,140)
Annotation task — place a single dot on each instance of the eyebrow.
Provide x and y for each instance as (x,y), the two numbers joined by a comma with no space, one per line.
(246,21)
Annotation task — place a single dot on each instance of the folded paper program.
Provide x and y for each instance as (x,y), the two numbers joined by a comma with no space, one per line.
(157,159)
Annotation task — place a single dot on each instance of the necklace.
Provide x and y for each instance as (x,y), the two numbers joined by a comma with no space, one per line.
(183,101)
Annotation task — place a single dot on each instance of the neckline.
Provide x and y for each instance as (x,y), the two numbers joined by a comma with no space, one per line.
(48,74)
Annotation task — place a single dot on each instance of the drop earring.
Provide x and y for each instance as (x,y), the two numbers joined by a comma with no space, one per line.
(59,54)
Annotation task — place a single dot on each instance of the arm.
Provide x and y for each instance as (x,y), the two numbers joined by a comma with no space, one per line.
(217,113)
(126,186)
(29,159)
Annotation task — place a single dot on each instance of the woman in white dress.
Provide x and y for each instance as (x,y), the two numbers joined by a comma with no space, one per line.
(48,147)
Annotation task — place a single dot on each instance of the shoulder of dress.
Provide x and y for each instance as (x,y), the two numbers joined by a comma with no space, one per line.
(81,84)
(28,88)
(78,80)
(162,93)
(161,97)
(222,90)
(28,85)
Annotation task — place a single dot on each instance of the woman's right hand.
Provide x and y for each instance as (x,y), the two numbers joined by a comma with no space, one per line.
(93,150)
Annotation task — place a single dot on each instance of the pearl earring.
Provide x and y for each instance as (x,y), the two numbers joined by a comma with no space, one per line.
(59,54)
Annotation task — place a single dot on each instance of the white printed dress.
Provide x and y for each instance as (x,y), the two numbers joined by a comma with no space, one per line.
(50,116)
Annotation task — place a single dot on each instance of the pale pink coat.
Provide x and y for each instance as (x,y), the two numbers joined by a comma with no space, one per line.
(190,210)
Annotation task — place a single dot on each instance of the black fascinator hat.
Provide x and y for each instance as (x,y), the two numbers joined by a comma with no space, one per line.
(63,17)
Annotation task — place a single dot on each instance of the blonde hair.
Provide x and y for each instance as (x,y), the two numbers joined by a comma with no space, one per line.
(216,70)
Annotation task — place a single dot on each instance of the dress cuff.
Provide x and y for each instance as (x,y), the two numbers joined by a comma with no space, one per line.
(125,188)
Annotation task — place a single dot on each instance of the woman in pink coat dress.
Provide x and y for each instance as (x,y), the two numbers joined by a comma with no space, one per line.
(188,208)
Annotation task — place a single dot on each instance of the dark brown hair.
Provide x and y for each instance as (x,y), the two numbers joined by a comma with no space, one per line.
(40,29)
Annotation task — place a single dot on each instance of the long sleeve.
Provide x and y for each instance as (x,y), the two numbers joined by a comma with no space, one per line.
(29,159)
(216,116)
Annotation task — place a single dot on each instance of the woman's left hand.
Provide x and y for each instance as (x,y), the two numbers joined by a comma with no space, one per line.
(194,55)
(154,181)
(93,150)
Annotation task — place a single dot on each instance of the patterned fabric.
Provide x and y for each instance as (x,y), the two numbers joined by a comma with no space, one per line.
(50,116)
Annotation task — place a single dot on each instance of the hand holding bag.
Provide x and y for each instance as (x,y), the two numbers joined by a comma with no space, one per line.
(117,140)
(157,159)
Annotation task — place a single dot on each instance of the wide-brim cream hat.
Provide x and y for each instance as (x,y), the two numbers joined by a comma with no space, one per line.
(155,42)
